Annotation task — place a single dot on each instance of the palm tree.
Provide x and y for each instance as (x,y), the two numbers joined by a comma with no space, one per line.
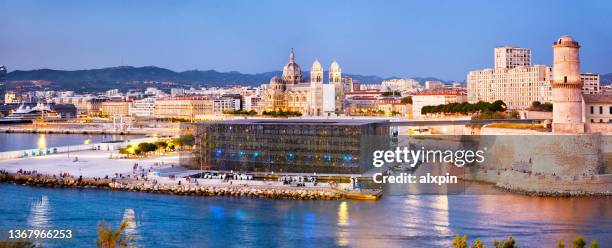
(109,238)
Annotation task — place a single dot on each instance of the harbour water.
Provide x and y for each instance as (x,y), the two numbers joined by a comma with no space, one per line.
(22,141)
(398,219)
(393,221)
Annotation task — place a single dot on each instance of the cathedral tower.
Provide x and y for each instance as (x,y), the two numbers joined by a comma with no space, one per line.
(315,96)
(335,78)
(567,87)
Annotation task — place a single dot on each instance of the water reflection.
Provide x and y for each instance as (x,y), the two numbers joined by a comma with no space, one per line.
(39,213)
(42,142)
(131,231)
(343,223)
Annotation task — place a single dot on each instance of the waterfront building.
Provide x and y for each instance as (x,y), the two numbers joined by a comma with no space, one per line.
(361,105)
(222,104)
(508,57)
(567,87)
(598,108)
(518,87)
(183,107)
(116,107)
(435,97)
(143,107)
(431,85)
(291,93)
(252,102)
(400,84)
(590,83)
(293,145)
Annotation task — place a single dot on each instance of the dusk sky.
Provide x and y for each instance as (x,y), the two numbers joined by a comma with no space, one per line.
(444,39)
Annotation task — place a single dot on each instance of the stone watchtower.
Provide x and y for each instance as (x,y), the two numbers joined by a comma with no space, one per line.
(567,87)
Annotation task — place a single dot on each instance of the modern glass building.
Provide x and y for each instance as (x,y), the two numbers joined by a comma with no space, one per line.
(288,145)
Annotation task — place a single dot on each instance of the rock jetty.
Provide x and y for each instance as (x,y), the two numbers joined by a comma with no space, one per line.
(297,193)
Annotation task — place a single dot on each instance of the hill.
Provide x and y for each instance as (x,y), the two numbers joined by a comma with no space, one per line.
(129,77)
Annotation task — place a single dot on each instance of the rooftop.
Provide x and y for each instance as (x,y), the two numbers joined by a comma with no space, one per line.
(598,98)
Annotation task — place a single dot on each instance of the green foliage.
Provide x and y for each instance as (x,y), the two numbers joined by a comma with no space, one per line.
(109,238)
(391,93)
(488,115)
(282,113)
(477,244)
(465,107)
(240,112)
(510,243)
(161,145)
(560,243)
(460,241)
(19,243)
(406,100)
(146,147)
(594,244)
(579,242)
(538,106)
(186,140)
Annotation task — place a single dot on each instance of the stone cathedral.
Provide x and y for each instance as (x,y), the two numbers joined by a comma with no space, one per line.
(314,98)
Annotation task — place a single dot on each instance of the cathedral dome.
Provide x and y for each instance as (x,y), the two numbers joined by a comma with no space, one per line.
(275,80)
(292,74)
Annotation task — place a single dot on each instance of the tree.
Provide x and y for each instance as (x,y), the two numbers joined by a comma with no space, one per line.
(161,145)
(186,140)
(510,243)
(460,241)
(594,244)
(406,100)
(561,244)
(109,238)
(19,243)
(477,244)
(579,242)
(146,147)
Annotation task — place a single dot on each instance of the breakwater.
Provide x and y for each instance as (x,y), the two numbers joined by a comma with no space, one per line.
(177,189)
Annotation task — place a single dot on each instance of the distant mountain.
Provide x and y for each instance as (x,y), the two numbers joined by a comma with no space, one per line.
(128,77)
(606,79)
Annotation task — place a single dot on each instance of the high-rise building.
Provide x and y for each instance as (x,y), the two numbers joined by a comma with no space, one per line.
(517,87)
(513,80)
(590,83)
(567,87)
(508,57)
